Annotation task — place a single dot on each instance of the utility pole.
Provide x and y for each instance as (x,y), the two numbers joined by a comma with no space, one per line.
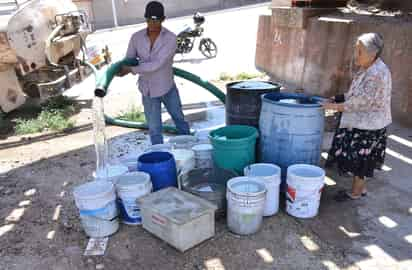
(114,13)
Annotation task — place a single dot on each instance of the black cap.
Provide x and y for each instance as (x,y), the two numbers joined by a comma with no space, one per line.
(154,10)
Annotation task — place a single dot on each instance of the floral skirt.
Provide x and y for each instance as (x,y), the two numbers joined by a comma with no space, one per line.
(358,151)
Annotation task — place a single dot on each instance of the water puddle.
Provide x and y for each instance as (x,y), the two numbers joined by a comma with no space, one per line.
(134,143)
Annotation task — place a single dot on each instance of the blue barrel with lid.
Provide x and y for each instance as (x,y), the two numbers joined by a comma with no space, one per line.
(291,129)
(243,101)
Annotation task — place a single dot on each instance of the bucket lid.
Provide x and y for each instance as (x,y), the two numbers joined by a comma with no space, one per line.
(159,147)
(293,100)
(202,147)
(307,173)
(132,180)
(255,85)
(263,170)
(247,186)
(180,139)
(93,190)
(113,171)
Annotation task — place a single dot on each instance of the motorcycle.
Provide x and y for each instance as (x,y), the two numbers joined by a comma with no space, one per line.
(186,39)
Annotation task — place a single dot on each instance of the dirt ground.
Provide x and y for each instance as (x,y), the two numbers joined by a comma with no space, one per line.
(40,227)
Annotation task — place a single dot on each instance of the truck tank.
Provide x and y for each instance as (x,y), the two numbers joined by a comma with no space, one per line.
(39,49)
(30,27)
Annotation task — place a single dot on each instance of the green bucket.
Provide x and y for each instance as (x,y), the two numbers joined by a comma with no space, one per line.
(234,147)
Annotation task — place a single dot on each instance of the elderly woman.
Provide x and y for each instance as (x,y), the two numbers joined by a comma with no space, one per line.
(359,143)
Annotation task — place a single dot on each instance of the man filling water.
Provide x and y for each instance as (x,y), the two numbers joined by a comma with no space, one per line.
(155,48)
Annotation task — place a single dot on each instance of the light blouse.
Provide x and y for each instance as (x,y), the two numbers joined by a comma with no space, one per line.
(368,102)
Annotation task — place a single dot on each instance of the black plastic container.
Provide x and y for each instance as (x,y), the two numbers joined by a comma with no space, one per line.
(243,101)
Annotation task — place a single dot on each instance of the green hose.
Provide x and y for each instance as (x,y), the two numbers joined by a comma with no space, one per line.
(197,80)
(104,79)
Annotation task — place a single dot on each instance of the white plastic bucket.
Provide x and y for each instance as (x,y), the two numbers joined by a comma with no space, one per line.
(270,174)
(305,184)
(130,161)
(185,160)
(203,156)
(245,204)
(159,148)
(112,173)
(131,187)
(183,141)
(96,202)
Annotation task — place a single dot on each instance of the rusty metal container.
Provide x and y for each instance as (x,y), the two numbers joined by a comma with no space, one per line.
(29,28)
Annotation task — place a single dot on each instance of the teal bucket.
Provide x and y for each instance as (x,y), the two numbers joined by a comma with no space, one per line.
(234,147)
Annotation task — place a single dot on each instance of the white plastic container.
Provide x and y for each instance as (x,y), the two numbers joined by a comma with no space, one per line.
(183,141)
(245,204)
(112,173)
(159,147)
(96,202)
(130,187)
(185,160)
(270,174)
(130,161)
(305,184)
(179,218)
(203,156)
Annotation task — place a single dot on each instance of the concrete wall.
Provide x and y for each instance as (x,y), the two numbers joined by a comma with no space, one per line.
(318,56)
(131,11)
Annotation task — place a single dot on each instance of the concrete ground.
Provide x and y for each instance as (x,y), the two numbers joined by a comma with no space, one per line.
(39,223)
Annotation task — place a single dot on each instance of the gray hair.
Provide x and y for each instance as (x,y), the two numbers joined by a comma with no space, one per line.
(373,43)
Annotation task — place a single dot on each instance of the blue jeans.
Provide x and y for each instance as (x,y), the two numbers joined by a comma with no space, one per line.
(153,113)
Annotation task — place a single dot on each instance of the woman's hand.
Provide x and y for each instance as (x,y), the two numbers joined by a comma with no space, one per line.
(333,106)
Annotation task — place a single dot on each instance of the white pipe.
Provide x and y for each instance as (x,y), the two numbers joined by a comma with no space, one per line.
(114,13)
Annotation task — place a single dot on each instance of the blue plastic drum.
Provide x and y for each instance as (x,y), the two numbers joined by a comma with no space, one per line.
(161,167)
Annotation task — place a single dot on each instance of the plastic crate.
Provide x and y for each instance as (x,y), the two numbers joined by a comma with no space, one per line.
(177,217)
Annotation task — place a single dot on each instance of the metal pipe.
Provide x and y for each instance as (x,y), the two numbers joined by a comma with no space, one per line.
(114,13)
(49,41)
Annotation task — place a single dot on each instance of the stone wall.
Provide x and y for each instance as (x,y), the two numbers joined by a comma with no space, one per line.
(131,11)
(317,56)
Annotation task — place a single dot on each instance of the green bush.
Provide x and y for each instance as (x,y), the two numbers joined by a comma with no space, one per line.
(54,116)
(134,114)
(246,76)
(225,77)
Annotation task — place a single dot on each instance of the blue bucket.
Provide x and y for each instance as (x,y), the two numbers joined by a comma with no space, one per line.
(161,167)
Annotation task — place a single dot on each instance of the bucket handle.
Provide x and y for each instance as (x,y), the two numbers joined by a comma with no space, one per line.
(103,219)
(99,218)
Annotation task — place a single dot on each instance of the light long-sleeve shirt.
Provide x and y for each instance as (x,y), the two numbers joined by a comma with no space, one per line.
(155,64)
(368,101)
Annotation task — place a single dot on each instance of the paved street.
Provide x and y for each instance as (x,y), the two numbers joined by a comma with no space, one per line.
(40,227)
